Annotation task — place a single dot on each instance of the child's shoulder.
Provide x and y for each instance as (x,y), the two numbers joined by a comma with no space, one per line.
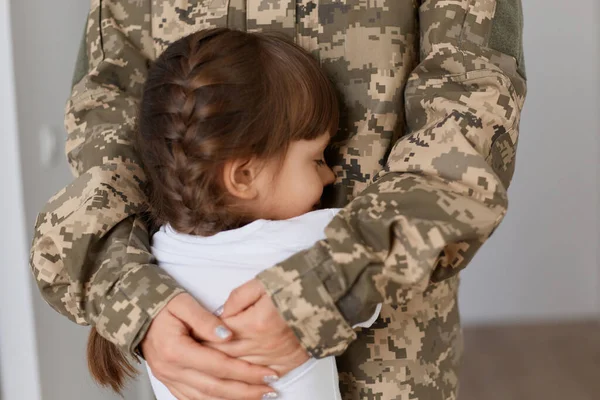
(326,214)
(300,231)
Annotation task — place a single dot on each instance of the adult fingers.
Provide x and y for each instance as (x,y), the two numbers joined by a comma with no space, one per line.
(208,388)
(178,394)
(211,362)
(243,297)
(203,324)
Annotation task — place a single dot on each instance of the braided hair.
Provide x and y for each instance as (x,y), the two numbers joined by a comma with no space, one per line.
(211,97)
(220,95)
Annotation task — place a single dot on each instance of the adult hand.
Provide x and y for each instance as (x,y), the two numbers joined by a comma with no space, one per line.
(192,371)
(260,335)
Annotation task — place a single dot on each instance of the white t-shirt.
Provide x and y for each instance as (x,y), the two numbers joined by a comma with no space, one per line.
(209,268)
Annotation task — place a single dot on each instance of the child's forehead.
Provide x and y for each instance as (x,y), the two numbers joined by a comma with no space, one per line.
(314,145)
(322,141)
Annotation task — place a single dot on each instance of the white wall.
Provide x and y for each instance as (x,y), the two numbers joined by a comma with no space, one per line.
(46,36)
(18,357)
(542,261)
(45,39)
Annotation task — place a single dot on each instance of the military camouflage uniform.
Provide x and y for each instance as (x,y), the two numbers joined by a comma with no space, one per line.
(432,94)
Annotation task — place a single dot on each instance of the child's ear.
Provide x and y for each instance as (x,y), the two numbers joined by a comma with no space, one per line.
(239,177)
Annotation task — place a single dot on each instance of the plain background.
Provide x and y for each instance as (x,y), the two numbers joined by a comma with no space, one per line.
(541,264)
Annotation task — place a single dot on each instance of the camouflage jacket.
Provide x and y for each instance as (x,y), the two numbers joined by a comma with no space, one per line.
(432,92)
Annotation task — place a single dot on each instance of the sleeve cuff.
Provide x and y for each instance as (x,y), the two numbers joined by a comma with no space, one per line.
(303,289)
(129,309)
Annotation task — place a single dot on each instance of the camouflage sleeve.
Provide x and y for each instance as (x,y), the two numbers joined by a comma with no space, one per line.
(90,252)
(442,192)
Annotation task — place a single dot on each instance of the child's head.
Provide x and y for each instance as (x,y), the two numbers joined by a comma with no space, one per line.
(232,128)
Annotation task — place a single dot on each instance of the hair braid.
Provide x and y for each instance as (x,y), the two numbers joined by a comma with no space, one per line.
(188,177)
(211,97)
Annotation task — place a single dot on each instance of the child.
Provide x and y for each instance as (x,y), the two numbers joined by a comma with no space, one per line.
(232,130)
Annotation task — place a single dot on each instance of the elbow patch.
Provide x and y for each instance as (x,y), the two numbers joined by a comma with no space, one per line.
(81,65)
(506,35)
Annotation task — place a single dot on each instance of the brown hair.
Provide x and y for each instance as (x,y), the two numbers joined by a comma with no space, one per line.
(214,96)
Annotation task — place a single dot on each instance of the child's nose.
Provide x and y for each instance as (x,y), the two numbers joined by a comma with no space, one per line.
(329,176)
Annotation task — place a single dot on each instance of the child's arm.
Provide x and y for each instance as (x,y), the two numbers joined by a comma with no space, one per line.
(442,192)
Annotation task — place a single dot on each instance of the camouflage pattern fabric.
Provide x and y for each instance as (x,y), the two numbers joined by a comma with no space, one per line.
(431,102)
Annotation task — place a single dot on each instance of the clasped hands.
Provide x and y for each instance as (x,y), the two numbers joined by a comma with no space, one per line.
(201,356)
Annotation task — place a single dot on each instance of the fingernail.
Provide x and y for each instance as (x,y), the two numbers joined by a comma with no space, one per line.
(219,311)
(270,379)
(270,395)
(222,332)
